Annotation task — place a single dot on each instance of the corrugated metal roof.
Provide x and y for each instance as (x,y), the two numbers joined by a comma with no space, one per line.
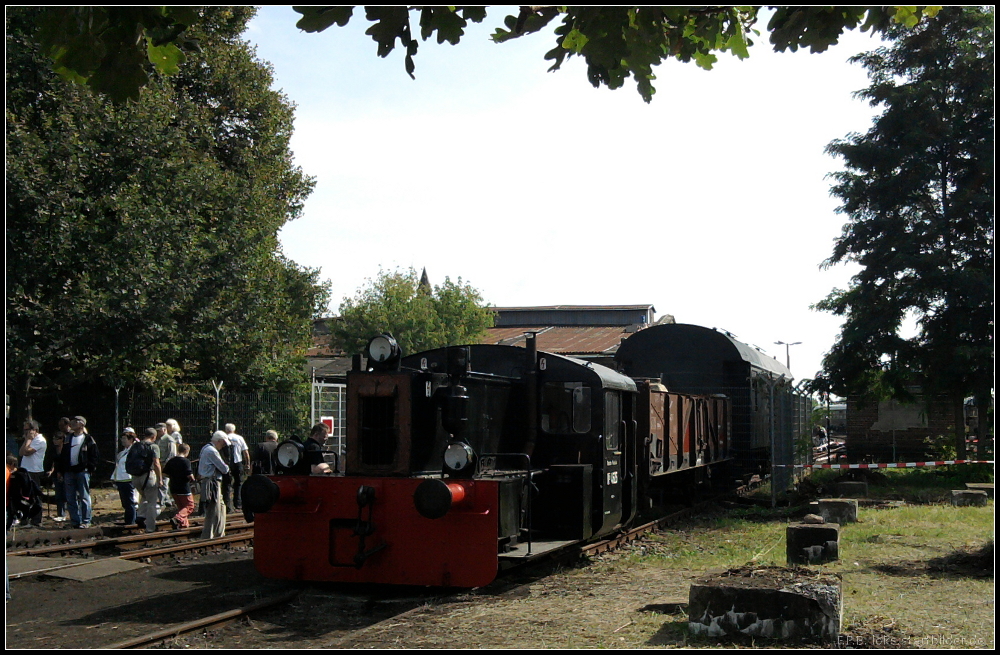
(561,339)
(573,307)
(329,367)
(575,315)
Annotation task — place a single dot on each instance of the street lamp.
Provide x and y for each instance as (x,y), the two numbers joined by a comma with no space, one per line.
(788,358)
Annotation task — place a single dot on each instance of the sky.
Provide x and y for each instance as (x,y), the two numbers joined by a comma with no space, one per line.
(711,203)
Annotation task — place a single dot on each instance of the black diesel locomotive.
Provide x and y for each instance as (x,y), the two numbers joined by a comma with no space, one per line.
(462,459)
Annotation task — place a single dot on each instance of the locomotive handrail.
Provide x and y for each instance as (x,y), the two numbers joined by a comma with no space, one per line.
(527,484)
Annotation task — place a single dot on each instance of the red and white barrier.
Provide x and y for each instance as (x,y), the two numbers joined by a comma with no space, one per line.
(895,465)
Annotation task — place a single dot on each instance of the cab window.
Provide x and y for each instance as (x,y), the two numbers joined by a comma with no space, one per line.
(565,408)
(612,418)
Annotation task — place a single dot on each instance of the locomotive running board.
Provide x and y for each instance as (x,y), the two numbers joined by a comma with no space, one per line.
(519,554)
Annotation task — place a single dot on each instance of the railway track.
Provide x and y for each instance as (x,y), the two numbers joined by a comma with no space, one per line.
(276,600)
(144,547)
(665,521)
(125,543)
(214,621)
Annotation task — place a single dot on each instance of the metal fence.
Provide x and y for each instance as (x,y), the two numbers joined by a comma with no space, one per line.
(757,430)
(329,405)
(201,410)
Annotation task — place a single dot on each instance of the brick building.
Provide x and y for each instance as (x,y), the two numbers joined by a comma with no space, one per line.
(892,431)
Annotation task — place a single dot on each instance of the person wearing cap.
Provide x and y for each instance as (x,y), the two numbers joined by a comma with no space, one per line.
(123,481)
(79,461)
(211,468)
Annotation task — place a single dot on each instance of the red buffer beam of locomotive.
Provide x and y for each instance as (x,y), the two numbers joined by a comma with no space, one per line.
(369,530)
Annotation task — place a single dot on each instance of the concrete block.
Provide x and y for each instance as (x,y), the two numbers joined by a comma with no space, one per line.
(968,498)
(851,488)
(810,543)
(836,510)
(769,602)
(981,486)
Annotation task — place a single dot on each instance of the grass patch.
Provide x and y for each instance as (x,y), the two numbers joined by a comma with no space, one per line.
(757,535)
(928,567)
(913,485)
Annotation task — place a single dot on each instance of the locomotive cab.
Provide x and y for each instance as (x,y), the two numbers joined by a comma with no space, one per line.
(586,448)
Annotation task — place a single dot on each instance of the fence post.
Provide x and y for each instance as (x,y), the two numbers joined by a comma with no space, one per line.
(218,388)
(774,453)
(118,428)
(312,397)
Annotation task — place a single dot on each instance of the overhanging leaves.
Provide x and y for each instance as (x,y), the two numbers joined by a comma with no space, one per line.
(616,42)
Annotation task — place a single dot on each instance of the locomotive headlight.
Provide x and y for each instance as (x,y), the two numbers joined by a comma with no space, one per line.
(382,348)
(459,458)
(289,454)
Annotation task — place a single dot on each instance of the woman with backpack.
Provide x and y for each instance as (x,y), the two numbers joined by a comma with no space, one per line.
(143,464)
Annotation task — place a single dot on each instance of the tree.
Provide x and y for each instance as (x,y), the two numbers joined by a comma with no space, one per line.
(142,237)
(108,47)
(112,48)
(918,192)
(420,318)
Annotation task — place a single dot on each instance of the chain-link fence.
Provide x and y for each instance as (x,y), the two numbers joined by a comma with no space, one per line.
(201,410)
(767,417)
(329,405)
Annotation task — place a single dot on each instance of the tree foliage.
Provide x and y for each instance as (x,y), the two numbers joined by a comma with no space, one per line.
(112,48)
(918,190)
(142,237)
(420,318)
(107,47)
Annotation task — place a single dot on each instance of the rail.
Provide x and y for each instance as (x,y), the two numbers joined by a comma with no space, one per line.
(209,621)
(244,535)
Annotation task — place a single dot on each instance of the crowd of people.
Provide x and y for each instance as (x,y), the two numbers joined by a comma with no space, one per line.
(153,473)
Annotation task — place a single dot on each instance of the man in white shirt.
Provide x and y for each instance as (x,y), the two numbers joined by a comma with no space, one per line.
(240,464)
(33,456)
(33,451)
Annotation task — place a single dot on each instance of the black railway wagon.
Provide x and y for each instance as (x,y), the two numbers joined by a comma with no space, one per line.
(767,414)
